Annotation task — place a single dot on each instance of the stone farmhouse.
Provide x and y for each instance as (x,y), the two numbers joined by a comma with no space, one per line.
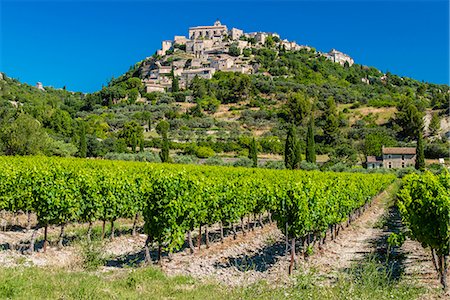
(206,50)
(393,158)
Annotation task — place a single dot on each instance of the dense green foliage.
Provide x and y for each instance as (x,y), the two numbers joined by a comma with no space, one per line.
(420,155)
(424,202)
(310,143)
(292,152)
(176,198)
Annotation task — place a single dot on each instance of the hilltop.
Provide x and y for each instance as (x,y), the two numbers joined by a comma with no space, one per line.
(218,88)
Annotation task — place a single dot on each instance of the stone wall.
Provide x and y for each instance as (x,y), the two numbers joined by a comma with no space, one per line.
(397,161)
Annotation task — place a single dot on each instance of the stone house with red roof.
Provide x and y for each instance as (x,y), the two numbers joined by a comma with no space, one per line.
(393,158)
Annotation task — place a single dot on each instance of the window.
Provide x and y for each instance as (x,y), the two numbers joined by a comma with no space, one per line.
(403,164)
(403,157)
(389,165)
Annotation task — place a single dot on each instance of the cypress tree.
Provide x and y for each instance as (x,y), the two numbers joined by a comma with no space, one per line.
(331,126)
(310,145)
(253,153)
(83,143)
(141,145)
(420,156)
(164,154)
(162,128)
(175,83)
(292,155)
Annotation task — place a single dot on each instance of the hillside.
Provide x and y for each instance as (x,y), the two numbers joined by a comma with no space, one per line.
(216,99)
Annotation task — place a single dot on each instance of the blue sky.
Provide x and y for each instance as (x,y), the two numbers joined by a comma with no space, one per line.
(82,44)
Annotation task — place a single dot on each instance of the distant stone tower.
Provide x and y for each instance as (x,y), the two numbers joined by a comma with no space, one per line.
(39,86)
(217,23)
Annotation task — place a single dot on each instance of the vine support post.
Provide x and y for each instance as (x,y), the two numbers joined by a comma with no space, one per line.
(89,232)
(159,254)
(443,261)
(147,250)
(244,232)
(45,237)
(33,239)
(260,221)
(435,261)
(112,229)
(133,232)
(28,220)
(191,244)
(221,232)
(103,229)
(206,237)
(199,237)
(287,238)
(61,236)
(234,230)
(291,265)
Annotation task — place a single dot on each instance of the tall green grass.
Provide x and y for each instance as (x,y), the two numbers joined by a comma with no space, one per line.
(367,280)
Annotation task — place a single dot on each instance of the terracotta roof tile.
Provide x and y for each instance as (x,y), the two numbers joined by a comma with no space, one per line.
(399,150)
(373,159)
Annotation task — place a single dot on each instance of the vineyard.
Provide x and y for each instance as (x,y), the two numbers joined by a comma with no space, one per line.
(179,203)
(174,200)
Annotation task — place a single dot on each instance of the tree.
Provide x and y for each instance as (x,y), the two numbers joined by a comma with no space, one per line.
(269,42)
(234,50)
(292,156)
(310,144)
(198,87)
(298,106)
(162,128)
(83,144)
(23,136)
(132,133)
(409,118)
(175,83)
(253,153)
(330,129)
(435,124)
(420,156)
(374,141)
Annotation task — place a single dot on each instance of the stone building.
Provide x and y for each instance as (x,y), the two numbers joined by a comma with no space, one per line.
(393,158)
(166,45)
(339,57)
(198,47)
(222,62)
(235,34)
(180,40)
(217,31)
(188,75)
(39,86)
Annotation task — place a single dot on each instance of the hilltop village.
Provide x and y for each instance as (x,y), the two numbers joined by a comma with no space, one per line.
(209,49)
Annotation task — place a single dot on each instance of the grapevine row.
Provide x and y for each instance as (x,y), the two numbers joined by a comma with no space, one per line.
(176,199)
(424,202)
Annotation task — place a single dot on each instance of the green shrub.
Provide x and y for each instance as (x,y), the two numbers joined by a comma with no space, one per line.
(214,161)
(274,164)
(204,152)
(185,159)
(243,162)
(405,171)
(304,165)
